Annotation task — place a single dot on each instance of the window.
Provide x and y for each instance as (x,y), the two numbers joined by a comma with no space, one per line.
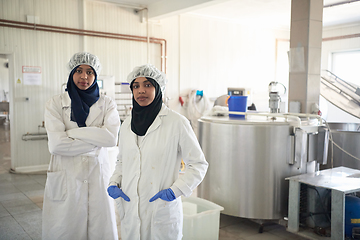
(346,65)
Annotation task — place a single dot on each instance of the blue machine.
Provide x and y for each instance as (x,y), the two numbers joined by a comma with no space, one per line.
(352,214)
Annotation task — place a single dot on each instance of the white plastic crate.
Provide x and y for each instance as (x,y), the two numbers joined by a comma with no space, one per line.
(201,219)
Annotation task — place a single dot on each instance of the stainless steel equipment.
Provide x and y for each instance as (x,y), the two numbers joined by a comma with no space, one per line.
(249,161)
(274,96)
(339,181)
(345,96)
(347,136)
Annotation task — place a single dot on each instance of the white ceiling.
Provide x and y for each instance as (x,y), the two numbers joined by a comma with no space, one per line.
(273,13)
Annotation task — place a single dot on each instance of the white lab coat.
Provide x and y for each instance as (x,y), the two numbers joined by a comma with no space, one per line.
(152,165)
(76,204)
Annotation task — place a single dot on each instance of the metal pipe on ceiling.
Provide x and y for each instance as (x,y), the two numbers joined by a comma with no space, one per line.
(83,32)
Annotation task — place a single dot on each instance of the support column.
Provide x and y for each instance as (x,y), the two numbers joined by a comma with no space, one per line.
(305,53)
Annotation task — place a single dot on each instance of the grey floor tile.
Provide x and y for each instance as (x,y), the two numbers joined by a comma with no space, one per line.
(3,169)
(5,184)
(226,220)
(11,229)
(40,205)
(223,235)
(12,196)
(243,229)
(36,196)
(19,178)
(29,187)
(284,234)
(16,202)
(29,181)
(31,223)
(7,188)
(39,178)
(5,176)
(263,236)
(3,212)
(23,209)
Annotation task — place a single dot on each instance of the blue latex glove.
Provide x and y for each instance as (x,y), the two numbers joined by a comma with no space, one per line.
(116,192)
(166,195)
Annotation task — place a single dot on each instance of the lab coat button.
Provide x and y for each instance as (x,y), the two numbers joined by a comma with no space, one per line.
(85,181)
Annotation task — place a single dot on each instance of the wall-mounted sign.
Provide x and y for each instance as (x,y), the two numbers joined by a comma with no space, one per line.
(31,75)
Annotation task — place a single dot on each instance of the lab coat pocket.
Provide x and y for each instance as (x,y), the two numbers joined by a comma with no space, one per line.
(168,219)
(56,188)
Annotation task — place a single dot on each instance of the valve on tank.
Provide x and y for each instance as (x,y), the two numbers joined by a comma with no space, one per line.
(275,90)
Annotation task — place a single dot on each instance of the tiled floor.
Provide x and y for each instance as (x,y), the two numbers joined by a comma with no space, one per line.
(21,197)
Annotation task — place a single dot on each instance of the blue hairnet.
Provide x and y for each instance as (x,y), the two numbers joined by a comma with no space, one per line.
(85,58)
(150,71)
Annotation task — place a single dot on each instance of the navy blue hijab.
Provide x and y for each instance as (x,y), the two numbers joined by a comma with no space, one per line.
(81,100)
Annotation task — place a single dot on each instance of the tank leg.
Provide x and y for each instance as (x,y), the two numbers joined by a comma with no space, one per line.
(261,228)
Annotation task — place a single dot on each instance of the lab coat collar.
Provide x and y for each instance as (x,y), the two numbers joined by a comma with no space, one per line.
(65,100)
(95,110)
(164,110)
(157,122)
(66,104)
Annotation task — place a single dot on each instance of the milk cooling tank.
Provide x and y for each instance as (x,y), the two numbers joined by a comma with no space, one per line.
(249,161)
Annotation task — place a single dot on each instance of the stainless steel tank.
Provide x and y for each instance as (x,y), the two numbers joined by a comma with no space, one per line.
(248,164)
(345,96)
(347,136)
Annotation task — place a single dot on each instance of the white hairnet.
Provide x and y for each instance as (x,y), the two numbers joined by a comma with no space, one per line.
(150,71)
(87,59)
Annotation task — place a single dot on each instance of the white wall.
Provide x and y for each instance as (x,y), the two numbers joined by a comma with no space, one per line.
(212,55)
(51,52)
(344,44)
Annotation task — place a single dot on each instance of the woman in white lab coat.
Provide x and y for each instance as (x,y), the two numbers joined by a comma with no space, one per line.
(146,182)
(80,126)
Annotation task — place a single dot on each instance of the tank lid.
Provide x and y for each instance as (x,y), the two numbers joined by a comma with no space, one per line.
(250,120)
